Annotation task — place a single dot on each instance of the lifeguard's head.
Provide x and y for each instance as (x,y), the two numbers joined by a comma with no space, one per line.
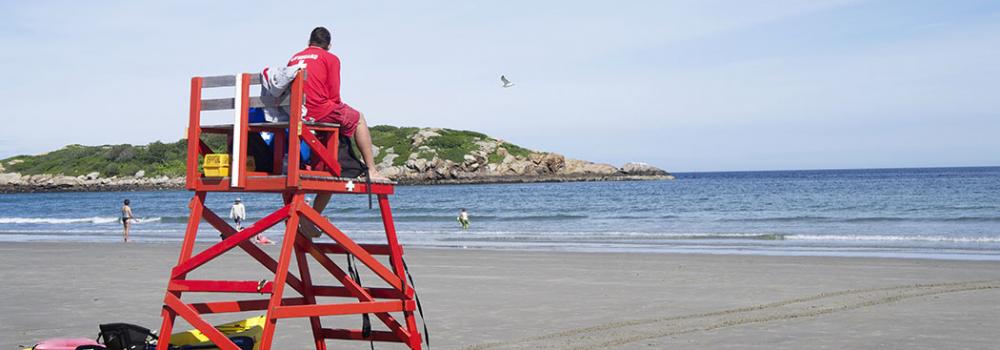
(127,202)
(320,37)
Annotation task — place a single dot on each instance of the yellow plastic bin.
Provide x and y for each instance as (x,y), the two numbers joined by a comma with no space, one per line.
(216,165)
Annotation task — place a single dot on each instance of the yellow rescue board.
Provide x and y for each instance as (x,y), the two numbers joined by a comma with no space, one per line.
(251,327)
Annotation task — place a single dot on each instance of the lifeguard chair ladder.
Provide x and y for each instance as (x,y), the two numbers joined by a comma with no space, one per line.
(292,183)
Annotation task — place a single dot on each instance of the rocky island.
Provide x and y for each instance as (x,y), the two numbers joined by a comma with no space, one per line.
(406,154)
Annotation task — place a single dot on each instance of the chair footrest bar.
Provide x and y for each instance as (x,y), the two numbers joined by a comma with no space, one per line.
(211,286)
(343,309)
(381,293)
(355,334)
(218,307)
(374,249)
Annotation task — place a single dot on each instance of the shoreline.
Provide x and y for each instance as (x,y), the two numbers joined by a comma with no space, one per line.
(177,184)
(481,299)
(777,253)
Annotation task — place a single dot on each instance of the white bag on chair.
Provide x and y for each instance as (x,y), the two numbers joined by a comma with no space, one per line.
(274,87)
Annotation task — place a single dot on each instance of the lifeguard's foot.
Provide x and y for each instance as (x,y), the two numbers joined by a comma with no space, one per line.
(376,176)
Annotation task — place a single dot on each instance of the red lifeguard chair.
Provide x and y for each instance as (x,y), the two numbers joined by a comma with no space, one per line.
(292,183)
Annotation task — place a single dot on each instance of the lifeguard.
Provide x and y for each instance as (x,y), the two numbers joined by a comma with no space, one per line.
(323,102)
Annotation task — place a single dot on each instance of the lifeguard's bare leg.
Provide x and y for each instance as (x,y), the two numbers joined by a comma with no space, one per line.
(319,203)
(364,140)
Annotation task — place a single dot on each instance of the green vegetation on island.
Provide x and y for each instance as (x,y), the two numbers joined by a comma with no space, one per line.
(168,159)
(448,144)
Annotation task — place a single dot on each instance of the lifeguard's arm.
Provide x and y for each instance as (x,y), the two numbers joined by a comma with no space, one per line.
(333,77)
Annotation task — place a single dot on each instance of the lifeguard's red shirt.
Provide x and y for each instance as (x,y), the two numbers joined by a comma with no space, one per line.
(322,81)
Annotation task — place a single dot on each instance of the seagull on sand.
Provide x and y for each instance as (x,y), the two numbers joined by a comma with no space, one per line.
(506,83)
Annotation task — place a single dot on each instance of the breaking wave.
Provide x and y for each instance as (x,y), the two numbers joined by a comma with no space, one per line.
(895,238)
(90,220)
(864,219)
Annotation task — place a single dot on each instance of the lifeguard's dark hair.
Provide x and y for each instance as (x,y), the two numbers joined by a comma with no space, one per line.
(319,37)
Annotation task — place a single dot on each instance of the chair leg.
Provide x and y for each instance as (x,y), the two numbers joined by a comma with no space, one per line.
(310,297)
(396,261)
(197,206)
(284,260)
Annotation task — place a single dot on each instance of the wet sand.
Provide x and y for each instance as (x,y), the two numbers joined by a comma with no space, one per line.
(480,299)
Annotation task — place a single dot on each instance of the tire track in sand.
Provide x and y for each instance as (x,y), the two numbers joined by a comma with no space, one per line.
(623,332)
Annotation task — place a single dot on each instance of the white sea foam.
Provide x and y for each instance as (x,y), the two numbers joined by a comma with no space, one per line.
(895,238)
(90,220)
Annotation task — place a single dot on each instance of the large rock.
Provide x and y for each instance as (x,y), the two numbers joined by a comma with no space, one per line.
(65,181)
(39,179)
(11,179)
(536,157)
(579,167)
(419,164)
(643,169)
(519,167)
(553,162)
(443,169)
(139,174)
(423,135)
(487,146)
(506,166)
(436,162)
(387,160)
(92,176)
(469,159)
(390,156)
(392,172)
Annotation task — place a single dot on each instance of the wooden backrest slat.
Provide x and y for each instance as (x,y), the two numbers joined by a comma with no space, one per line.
(226,80)
(219,104)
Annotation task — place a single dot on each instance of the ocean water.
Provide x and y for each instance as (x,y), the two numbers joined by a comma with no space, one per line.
(949,213)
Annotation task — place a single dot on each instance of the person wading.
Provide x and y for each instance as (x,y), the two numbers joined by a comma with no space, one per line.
(126,219)
(463,218)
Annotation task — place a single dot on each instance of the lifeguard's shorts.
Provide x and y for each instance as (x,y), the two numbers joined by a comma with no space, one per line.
(346,116)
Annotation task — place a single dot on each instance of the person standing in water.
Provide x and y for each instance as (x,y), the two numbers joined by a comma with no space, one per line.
(463,218)
(126,219)
(238,213)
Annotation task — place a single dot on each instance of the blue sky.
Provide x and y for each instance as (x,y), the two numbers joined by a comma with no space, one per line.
(684,85)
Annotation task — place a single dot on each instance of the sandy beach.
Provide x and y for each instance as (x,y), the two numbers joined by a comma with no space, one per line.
(482,299)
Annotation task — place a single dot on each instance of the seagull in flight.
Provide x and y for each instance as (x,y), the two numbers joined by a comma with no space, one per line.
(506,83)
